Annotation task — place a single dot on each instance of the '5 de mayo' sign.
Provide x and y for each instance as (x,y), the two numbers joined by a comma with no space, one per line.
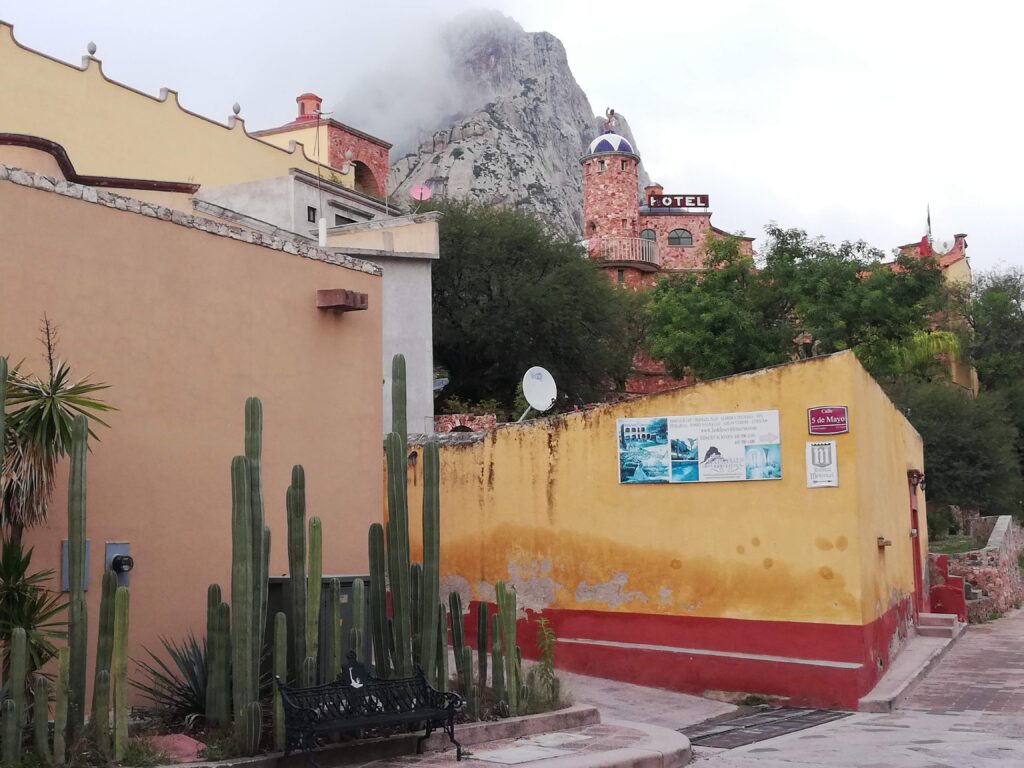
(828,420)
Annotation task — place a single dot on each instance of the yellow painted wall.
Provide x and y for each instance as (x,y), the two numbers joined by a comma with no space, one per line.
(317,147)
(411,237)
(109,129)
(885,447)
(540,503)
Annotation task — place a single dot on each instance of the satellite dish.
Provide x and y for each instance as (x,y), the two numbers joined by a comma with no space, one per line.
(539,389)
(420,192)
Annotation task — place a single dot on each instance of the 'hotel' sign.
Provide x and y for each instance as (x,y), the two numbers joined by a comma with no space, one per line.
(677,201)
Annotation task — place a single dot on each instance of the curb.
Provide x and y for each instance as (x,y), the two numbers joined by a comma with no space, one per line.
(889,703)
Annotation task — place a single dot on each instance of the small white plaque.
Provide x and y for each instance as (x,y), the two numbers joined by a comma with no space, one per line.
(822,462)
(520,755)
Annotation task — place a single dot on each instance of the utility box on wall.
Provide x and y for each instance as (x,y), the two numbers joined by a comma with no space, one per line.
(278,599)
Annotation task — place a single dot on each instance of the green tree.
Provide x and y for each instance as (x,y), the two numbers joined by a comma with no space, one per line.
(508,294)
(994,312)
(37,435)
(970,445)
(808,297)
(722,321)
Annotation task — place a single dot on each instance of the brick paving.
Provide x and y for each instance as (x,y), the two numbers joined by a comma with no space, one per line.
(983,672)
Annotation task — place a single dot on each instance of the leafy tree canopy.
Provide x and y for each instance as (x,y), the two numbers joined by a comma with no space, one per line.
(508,294)
(994,311)
(970,444)
(808,297)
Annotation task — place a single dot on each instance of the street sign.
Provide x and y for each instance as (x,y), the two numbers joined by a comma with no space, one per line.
(828,420)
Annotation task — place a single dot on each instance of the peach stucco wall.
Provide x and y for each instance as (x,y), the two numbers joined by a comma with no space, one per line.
(184,325)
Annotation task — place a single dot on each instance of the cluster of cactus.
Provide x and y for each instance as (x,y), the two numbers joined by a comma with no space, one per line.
(414,634)
(507,654)
(235,633)
(111,650)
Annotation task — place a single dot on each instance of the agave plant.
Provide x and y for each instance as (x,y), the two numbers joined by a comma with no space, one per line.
(26,601)
(37,435)
(177,686)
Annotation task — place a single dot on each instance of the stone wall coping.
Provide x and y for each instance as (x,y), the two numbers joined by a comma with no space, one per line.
(276,241)
(999,532)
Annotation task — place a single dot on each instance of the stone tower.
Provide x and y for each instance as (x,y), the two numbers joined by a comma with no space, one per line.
(611,210)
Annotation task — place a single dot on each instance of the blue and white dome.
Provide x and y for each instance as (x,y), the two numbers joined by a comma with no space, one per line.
(610,142)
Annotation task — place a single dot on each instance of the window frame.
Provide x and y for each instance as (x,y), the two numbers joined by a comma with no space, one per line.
(654,235)
(311,216)
(673,235)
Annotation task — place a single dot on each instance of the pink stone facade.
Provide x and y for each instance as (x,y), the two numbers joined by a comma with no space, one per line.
(994,570)
(465,422)
(613,220)
(370,157)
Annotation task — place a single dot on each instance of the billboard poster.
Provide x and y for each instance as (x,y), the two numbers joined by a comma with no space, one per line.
(700,448)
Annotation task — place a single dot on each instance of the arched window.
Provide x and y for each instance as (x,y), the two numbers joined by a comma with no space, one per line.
(648,234)
(680,237)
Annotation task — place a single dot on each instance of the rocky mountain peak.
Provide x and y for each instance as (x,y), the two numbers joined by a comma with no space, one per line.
(512,127)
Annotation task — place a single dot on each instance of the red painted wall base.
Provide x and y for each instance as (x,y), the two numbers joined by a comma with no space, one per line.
(811,664)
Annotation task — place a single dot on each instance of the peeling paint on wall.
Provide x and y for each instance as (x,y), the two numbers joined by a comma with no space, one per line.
(611,593)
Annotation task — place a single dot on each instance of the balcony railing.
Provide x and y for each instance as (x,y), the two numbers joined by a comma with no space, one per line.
(636,251)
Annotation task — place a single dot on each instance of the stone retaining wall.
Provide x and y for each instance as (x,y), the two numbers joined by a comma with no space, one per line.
(994,569)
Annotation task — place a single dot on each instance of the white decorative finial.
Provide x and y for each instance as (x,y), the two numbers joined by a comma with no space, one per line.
(236,108)
(91,48)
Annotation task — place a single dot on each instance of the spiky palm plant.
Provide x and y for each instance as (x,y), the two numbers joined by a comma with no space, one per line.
(37,435)
(177,687)
(26,601)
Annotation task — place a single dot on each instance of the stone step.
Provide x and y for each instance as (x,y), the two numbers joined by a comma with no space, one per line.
(926,631)
(937,620)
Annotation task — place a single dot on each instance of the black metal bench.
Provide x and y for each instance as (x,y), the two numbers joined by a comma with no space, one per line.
(358,701)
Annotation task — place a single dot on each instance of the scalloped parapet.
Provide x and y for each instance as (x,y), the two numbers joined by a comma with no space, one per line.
(112,129)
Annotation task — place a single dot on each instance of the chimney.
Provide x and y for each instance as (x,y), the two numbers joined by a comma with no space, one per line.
(309,107)
(652,190)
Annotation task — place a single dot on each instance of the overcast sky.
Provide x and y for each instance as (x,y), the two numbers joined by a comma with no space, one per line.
(846,120)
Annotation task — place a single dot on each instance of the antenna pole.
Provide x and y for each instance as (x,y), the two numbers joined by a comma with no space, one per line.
(528,409)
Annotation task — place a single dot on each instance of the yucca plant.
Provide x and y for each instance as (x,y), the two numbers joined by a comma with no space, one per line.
(37,435)
(177,686)
(26,601)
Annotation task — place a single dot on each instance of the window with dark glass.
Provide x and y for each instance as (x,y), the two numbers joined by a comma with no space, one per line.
(621,275)
(648,234)
(311,214)
(680,237)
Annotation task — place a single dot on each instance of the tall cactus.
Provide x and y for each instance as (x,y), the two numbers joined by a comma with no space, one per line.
(497,662)
(416,604)
(259,532)
(10,733)
(442,648)
(431,582)
(213,600)
(41,719)
(506,597)
(458,638)
(378,602)
(295,501)
(242,589)
(60,712)
(250,726)
(314,586)
(399,419)
(332,620)
(120,662)
(281,672)
(218,681)
(18,657)
(77,612)
(104,654)
(481,643)
(358,631)
(398,551)
(101,716)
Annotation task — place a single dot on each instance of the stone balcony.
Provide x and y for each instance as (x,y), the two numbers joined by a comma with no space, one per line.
(633,252)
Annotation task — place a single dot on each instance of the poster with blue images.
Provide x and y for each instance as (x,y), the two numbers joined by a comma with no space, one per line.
(700,448)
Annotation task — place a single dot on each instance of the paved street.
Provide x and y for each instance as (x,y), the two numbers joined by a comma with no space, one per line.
(968,712)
